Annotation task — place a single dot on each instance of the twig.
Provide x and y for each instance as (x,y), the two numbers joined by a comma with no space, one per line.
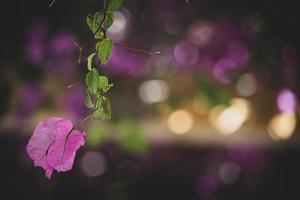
(72,85)
(83,120)
(98,64)
(51,4)
(80,52)
(102,21)
(138,50)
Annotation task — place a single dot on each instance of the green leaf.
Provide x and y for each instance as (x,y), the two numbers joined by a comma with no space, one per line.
(92,81)
(105,103)
(103,83)
(99,35)
(98,115)
(113,5)
(108,20)
(96,21)
(88,101)
(89,61)
(103,109)
(96,26)
(104,49)
(89,21)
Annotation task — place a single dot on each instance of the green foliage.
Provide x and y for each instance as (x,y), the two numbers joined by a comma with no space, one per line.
(113,5)
(104,49)
(102,109)
(89,61)
(88,101)
(89,21)
(94,22)
(97,85)
(92,81)
(103,83)
(108,20)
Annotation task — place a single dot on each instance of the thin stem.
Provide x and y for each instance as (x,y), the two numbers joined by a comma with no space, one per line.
(80,52)
(102,29)
(72,85)
(102,21)
(83,120)
(51,4)
(98,64)
(138,50)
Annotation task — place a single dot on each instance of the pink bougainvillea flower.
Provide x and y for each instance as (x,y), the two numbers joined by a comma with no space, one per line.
(53,145)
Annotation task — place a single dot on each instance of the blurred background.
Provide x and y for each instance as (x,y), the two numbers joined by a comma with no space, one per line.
(213,116)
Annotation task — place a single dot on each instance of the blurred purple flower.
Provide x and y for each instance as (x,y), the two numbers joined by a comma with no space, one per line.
(31,96)
(123,62)
(221,68)
(237,52)
(225,31)
(64,68)
(73,102)
(201,33)
(35,45)
(62,44)
(186,54)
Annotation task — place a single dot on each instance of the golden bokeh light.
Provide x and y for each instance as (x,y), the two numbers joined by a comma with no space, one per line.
(229,120)
(180,121)
(282,126)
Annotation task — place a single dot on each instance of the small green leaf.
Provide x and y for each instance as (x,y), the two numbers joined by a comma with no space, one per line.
(106,107)
(88,101)
(102,110)
(89,61)
(96,26)
(98,115)
(89,21)
(113,5)
(99,35)
(104,49)
(92,81)
(103,83)
(96,21)
(108,20)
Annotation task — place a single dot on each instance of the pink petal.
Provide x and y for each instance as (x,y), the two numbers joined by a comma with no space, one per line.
(53,145)
(62,153)
(43,136)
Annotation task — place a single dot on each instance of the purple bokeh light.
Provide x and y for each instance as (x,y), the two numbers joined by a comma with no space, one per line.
(124,62)
(31,96)
(62,44)
(286,101)
(238,53)
(35,45)
(185,54)
(73,102)
(221,68)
